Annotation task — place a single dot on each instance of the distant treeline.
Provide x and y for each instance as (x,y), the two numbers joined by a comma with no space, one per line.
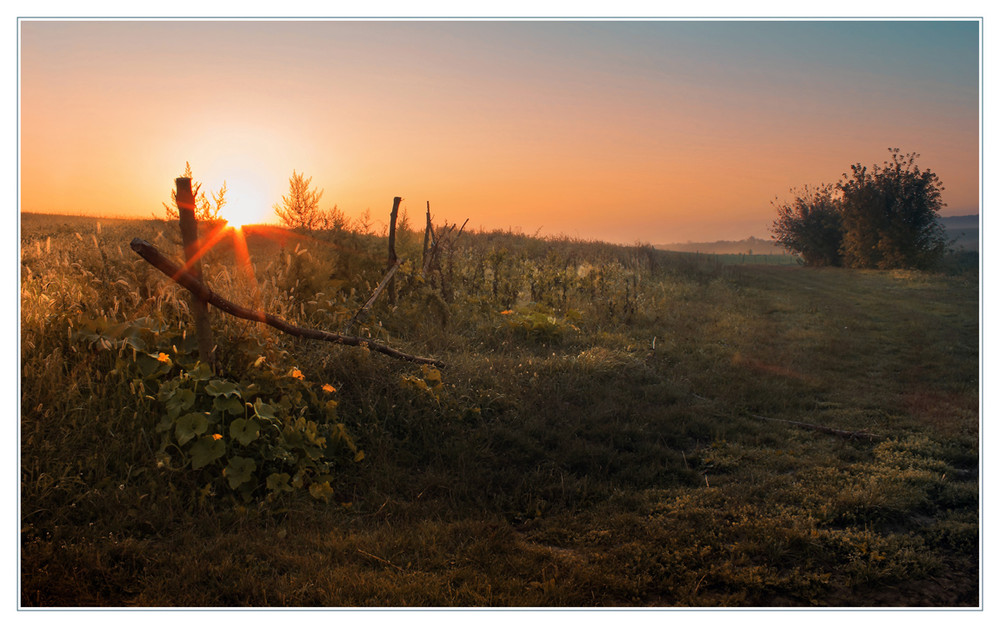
(750,246)
(962,232)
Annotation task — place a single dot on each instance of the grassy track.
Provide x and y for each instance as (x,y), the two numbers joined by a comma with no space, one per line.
(612,429)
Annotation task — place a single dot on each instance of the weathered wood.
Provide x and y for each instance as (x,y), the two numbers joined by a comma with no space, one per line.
(448,286)
(392,247)
(824,429)
(381,286)
(428,232)
(173,270)
(189,235)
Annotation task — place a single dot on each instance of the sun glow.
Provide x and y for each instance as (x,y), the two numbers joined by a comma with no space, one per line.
(238,218)
(241,213)
(247,201)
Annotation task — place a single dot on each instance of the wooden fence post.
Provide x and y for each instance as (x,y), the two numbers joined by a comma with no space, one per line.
(392,247)
(189,235)
(428,230)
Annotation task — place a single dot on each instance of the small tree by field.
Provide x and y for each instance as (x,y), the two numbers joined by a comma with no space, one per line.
(890,215)
(300,209)
(885,217)
(811,226)
(204,210)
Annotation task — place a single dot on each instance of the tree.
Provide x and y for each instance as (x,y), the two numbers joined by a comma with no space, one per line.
(204,210)
(300,209)
(333,219)
(363,223)
(810,225)
(890,215)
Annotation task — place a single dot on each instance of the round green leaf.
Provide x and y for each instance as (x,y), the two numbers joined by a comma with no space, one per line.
(201,373)
(180,400)
(232,405)
(218,387)
(208,449)
(278,483)
(189,426)
(263,410)
(239,470)
(150,366)
(244,430)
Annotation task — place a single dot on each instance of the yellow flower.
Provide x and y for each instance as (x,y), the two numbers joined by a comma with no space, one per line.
(297,374)
(163,357)
(216,436)
(506,312)
(328,388)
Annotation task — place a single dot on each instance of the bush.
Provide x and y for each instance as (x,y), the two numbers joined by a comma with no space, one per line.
(890,215)
(811,226)
(885,217)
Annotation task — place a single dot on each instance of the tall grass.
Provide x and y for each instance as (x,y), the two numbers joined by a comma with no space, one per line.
(601,434)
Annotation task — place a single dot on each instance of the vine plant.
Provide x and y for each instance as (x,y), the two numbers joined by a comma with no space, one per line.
(256,437)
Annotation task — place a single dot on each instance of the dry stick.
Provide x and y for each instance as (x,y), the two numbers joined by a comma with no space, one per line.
(451,264)
(170,268)
(189,234)
(822,428)
(392,247)
(379,558)
(371,299)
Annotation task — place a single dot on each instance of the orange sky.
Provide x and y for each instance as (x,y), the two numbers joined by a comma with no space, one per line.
(623,131)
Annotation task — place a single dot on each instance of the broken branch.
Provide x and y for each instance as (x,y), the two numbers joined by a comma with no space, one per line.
(378,291)
(173,270)
(823,428)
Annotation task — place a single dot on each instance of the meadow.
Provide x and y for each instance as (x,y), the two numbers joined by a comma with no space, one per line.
(614,426)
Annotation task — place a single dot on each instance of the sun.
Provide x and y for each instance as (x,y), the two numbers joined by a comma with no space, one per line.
(238,216)
(247,202)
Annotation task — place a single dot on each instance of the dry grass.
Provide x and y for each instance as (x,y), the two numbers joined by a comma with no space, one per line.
(567,460)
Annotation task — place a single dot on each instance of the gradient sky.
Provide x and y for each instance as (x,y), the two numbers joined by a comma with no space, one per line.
(622,131)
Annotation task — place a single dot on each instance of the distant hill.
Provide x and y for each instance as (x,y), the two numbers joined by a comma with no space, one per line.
(751,245)
(962,231)
(961,222)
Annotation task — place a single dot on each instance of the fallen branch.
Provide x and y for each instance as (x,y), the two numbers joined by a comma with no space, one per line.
(380,559)
(171,269)
(381,286)
(823,428)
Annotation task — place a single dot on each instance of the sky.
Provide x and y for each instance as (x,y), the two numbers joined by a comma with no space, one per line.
(623,131)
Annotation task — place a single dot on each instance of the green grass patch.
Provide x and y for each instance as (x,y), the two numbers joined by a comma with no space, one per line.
(615,426)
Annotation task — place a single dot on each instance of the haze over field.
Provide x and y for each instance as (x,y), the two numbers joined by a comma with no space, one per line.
(621,131)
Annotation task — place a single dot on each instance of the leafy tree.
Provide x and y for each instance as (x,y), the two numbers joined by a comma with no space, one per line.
(204,210)
(811,226)
(890,215)
(334,219)
(300,209)
(364,223)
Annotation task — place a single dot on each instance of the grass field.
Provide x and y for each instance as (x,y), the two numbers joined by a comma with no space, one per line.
(614,426)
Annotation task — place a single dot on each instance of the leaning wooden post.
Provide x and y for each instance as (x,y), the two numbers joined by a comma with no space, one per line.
(189,235)
(392,248)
